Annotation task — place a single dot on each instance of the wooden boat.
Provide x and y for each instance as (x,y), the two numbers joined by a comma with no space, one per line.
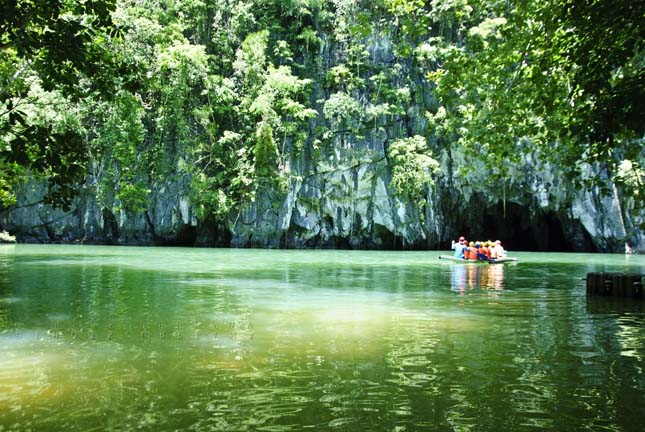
(465,261)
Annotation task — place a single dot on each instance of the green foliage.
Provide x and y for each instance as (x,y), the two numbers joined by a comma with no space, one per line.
(343,79)
(265,151)
(251,60)
(267,104)
(231,93)
(59,39)
(310,38)
(545,71)
(54,45)
(631,176)
(42,143)
(223,178)
(450,12)
(413,168)
(413,19)
(282,52)
(343,111)
(10,176)
(118,166)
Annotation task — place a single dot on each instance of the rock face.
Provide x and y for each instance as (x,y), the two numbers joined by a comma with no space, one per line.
(350,204)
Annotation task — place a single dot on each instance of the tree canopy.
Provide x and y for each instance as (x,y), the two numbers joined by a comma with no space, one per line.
(62,45)
(568,75)
(115,95)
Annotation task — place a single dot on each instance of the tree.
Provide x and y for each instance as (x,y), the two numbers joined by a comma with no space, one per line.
(568,75)
(413,168)
(56,44)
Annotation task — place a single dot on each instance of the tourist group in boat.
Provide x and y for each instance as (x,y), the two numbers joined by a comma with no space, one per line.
(478,250)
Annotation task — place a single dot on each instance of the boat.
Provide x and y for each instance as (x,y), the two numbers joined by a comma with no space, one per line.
(465,261)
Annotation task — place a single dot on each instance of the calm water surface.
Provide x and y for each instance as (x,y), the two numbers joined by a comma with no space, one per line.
(160,339)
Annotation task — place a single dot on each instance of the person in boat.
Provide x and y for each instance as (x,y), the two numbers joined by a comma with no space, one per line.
(486,249)
(459,248)
(480,254)
(471,252)
(499,250)
(492,250)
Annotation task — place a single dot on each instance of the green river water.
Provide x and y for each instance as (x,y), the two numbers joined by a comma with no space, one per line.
(165,339)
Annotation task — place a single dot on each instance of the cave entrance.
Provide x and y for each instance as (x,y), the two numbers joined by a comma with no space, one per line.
(519,232)
(186,236)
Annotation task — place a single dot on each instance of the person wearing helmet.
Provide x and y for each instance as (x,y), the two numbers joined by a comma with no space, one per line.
(480,253)
(471,252)
(487,248)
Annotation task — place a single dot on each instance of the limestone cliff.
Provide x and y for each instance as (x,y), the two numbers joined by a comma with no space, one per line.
(348,203)
(340,194)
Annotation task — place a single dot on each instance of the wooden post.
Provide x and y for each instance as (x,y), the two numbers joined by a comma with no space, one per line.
(615,285)
(590,283)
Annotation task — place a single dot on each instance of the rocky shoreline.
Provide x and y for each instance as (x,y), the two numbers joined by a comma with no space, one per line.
(346,209)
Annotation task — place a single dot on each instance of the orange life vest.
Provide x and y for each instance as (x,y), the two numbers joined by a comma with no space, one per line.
(472,253)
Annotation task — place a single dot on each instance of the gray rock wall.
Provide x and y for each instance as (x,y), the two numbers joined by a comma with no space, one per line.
(349,206)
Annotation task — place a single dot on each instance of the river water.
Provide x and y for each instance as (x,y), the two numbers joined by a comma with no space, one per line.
(161,339)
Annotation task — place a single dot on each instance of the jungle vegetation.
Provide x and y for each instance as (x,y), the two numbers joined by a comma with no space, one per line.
(113,95)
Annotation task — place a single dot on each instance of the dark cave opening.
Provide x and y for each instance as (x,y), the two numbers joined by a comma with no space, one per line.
(518,231)
(186,236)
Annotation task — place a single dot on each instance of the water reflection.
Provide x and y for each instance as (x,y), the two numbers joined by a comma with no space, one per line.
(628,317)
(465,277)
